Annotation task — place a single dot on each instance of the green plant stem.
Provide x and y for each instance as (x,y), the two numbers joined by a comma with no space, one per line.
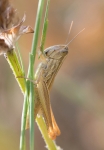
(18,72)
(23,122)
(50,144)
(13,61)
(31,71)
(37,27)
(45,26)
(31,102)
(20,58)
(31,112)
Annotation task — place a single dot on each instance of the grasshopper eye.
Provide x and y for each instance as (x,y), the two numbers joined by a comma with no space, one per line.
(46,53)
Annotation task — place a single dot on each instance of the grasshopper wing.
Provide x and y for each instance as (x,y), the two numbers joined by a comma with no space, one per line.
(45,107)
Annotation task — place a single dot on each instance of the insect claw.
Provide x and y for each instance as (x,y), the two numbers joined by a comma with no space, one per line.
(20,77)
(34,82)
(51,133)
(56,129)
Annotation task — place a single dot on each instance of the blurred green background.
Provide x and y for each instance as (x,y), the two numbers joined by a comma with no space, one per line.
(77,96)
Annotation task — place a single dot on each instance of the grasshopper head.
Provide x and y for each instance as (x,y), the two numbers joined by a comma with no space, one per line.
(56,52)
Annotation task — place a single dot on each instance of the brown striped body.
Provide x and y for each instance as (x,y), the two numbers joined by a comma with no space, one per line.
(52,60)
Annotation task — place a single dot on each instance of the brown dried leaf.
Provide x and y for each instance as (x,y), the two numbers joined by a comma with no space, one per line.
(10,29)
(7,14)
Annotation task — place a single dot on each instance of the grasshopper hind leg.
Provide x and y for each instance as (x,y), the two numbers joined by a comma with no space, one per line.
(52,127)
(55,126)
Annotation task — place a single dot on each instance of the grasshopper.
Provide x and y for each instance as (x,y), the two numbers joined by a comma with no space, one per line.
(44,77)
(52,59)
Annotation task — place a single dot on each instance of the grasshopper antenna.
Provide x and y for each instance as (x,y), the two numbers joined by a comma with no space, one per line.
(75,36)
(69,32)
